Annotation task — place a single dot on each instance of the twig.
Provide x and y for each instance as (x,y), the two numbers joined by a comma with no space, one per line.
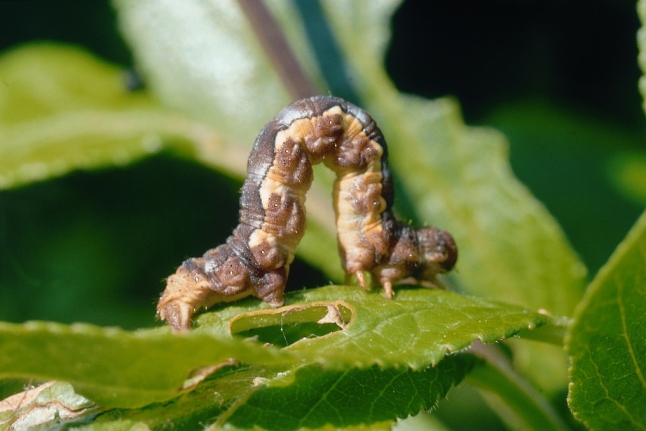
(277,49)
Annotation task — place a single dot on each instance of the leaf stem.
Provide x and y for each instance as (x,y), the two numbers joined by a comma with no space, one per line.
(514,399)
(277,48)
(552,332)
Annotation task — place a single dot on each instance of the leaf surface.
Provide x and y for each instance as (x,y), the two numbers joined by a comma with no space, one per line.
(202,58)
(309,398)
(46,403)
(415,330)
(116,368)
(607,341)
(61,109)
(298,398)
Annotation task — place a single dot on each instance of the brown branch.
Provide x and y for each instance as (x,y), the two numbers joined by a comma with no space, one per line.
(277,49)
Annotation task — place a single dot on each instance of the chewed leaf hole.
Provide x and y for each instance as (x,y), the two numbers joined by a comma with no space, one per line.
(287,334)
(287,325)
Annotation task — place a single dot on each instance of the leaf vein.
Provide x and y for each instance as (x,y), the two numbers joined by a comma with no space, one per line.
(624,327)
(610,398)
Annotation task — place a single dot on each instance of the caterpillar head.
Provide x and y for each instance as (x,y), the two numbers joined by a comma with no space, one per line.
(437,252)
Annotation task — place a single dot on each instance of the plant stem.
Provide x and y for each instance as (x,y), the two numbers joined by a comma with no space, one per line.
(553,332)
(277,49)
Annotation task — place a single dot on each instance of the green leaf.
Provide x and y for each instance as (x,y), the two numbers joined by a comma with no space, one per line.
(301,397)
(204,59)
(607,341)
(62,109)
(415,330)
(308,397)
(580,151)
(117,368)
(191,42)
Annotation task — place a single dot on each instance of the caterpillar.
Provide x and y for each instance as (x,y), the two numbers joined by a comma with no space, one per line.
(255,259)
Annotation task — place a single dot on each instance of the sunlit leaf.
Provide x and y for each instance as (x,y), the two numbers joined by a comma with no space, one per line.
(203,59)
(113,367)
(116,368)
(308,397)
(416,329)
(61,109)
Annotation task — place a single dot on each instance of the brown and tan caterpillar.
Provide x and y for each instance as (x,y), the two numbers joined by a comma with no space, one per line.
(255,259)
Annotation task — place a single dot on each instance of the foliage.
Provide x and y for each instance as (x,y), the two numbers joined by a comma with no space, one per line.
(333,357)
(607,341)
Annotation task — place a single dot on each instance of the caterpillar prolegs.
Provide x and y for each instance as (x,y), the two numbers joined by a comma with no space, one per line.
(255,259)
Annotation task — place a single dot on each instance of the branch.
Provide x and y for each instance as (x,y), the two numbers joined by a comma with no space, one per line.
(277,49)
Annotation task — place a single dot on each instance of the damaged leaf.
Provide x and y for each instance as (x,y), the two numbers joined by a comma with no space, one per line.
(416,329)
(47,402)
(113,367)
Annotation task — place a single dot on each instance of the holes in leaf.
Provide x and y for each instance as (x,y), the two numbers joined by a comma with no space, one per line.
(287,325)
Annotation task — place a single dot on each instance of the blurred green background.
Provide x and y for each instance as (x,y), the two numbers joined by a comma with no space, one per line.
(559,78)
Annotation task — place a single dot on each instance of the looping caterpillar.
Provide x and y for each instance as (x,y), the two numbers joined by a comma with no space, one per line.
(255,259)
